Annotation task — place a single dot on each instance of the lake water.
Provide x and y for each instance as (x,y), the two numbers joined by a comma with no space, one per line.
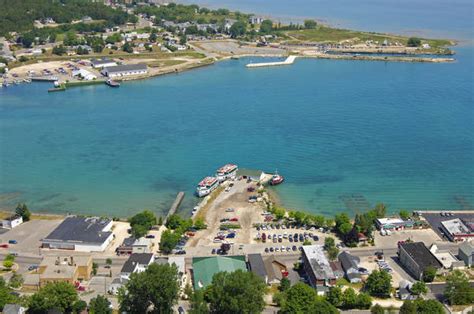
(345,134)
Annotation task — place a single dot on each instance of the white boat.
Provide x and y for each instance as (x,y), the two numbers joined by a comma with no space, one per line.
(206,186)
(227,172)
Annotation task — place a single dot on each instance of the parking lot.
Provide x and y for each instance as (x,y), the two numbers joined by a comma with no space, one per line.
(426,236)
(435,219)
(28,236)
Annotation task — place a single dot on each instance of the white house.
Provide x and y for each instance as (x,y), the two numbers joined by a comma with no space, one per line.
(12,222)
(125,70)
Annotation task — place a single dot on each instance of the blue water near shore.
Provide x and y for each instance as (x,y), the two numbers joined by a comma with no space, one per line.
(345,134)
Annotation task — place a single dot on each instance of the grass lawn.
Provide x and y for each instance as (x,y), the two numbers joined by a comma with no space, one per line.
(335,35)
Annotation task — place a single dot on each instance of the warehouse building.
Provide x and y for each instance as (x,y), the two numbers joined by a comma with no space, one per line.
(416,257)
(83,234)
(125,70)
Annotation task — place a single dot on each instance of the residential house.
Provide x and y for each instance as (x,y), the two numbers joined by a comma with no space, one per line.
(336,267)
(446,258)
(466,253)
(12,221)
(136,263)
(404,290)
(350,264)
(84,74)
(416,257)
(126,247)
(255,19)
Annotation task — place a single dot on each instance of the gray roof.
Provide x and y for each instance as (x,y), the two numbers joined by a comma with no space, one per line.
(11,308)
(467,248)
(125,68)
(128,241)
(80,230)
(136,258)
(348,261)
(420,254)
(351,276)
(257,266)
(318,262)
(101,61)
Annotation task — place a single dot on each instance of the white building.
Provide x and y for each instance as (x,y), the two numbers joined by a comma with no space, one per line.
(136,263)
(102,63)
(83,234)
(12,222)
(456,230)
(142,245)
(86,75)
(125,70)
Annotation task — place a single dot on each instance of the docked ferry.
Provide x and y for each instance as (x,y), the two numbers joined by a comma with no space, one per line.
(226,172)
(206,186)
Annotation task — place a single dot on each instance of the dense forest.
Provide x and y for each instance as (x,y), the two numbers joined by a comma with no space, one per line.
(19,15)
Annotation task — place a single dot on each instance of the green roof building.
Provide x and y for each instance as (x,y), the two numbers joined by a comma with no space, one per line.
(205,267)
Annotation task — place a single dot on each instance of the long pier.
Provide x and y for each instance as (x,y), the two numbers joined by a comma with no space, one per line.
(175,205)
(44,78)
(288,61)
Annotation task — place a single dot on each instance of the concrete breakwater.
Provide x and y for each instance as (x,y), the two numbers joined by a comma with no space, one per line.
(288,61)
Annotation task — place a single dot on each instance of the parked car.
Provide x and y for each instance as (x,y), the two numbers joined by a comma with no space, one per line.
(213,251)
(32,267)
(12,241)
(150,236)
(266,250)
(294,248)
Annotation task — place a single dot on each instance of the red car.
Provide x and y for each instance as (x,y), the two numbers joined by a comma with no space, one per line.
(234,219)
(4,246)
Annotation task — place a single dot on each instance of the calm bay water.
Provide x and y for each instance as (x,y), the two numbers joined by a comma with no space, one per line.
(345,134)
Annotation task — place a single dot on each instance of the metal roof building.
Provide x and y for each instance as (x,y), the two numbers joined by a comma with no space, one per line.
(125,70)
(204,268)
(85,234)
(317,266)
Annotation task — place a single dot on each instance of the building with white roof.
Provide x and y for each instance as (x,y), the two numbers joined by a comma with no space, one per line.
(393,223)
(456,230)
(86,75)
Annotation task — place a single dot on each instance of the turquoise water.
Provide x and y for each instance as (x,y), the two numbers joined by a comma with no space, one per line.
(345,134)
(434,18)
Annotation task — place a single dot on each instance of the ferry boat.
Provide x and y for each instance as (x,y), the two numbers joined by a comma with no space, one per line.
(206,186)
(276,179)
(226,172)
(112,83)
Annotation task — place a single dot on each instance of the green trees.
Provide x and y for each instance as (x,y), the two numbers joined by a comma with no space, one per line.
(237,29)
(364,301)
(334,296)
(285,284)
(79,306)
(100,305)
(266,26)
(348,299)
(8,261)
(200,224)
(419,288)
(310,24)
(23,211)
(421,306)
(236,292)
(377,309)
(156,287)
(330,247)
(16,280)
(5,294)
(59,295)
(404,214)
(429,274)
(458,291)
(59,50)
(198,303)
(301,298)
(378,284)
(141,223)
(127,47)
(414,42)
(168,241)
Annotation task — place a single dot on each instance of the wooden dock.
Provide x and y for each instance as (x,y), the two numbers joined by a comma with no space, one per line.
(44,78)
(175,205)
(288,61)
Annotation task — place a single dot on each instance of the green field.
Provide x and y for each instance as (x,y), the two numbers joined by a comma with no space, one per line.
(336,35)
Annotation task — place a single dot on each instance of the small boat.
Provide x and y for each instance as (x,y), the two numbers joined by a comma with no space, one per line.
(276,179)
(112,83)
(56,84)
(5,84)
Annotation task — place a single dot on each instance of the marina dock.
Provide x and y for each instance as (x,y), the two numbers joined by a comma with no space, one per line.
(288,61)
(175,205)
(44,78)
